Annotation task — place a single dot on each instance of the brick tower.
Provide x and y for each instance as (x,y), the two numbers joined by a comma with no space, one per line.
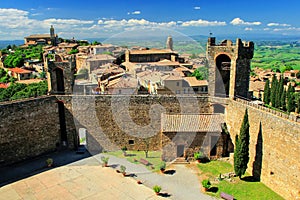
(229,67)
(169,43)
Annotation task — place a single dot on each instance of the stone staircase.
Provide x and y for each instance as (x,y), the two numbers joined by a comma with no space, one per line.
(180,160)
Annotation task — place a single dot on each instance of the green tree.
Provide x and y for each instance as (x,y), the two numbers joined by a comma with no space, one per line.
(283,100)
(267,92)
(241,152)
(279,91)
(290,99)
(298,74)
(298,104)
(96,43)
(201,73)
(73,51)
(273,90)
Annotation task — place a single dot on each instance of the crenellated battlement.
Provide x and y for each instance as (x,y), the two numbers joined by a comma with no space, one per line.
(229,67)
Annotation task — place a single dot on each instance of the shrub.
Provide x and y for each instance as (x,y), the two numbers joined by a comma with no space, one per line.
(198,155)
(104,159)
(49,162)
(156,188)
(162,165)
(124,148)
(122,169)
(206,184)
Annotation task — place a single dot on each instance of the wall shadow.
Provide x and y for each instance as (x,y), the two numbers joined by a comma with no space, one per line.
(257,164)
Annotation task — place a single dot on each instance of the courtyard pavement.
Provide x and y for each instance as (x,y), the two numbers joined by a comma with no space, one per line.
(87,179)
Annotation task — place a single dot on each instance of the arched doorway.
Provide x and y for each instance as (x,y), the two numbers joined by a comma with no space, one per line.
(222,85)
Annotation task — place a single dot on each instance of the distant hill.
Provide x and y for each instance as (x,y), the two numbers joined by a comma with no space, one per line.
(5,43)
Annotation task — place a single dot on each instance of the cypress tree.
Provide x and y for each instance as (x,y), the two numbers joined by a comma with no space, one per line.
(273,90)
(283,100)
(241,152)
(267,92)
(291,104)
(298,105)
(290,99)
(279,92)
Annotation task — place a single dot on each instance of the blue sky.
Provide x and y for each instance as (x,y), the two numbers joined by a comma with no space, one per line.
(95,19)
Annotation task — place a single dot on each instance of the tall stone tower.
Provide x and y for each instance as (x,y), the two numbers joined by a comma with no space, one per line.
(60,74)
(229,67)
(52,36)
(169,44)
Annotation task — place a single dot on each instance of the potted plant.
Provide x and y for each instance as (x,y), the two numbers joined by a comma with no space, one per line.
(198,156)
(162,166)
(206,184)
(105,161)
(49,162)
(124,149)
(123,170)
(156,189)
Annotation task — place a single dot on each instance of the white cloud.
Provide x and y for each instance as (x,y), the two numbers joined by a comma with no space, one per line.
(36,14)
(277,24)
(197,8)
(137,12)
(201,22)
(239,21)
(68,21)
(117,24)
(248,29)
(266,29)
(286,29)
(11,12)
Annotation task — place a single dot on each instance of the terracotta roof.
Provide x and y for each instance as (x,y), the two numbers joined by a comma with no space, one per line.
(192,123)
(165,62)
(101,57)
(123,82)
(4,85)
(31,42)
(151,51)
(40,36)
(70,45)
(29,81)
(173,77)
(194,82)
(256,86)
(19,70)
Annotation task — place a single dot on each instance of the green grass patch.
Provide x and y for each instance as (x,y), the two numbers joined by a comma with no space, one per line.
(240,189)
(154,157)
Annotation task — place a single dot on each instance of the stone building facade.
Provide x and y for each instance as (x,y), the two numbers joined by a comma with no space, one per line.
(229,67)
(51,38)
(184,135)
(150,55)
(60,74)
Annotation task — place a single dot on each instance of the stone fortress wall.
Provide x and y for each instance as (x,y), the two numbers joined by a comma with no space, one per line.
(31,127)
(28,128)
(275,153)
(113,121)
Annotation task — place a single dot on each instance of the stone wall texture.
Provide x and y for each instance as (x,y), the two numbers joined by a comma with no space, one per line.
(275,153)
(27,129)
(32,127)
(112,122)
